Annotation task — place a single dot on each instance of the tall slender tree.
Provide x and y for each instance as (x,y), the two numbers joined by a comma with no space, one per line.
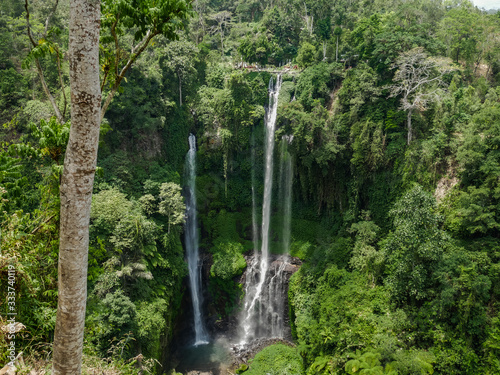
(180,57)
(81,153)
(76,184)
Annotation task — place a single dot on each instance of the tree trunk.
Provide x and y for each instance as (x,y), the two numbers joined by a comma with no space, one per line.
(337,50)
(55,107)
(222,41)
(180,90)
(324,50)
(410,130)
(478,62)
(76,185)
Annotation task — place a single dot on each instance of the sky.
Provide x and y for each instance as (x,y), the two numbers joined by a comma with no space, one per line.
(487,4)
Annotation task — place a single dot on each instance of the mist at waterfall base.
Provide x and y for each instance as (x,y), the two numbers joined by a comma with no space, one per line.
(264,310)
(211,357)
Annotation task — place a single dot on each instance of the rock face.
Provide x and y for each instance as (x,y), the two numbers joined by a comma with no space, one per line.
(269,317)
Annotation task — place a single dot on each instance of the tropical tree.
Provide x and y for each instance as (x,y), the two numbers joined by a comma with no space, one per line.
(415,247)
(149,18)
(172,204)
(180,57)
(323,30)
(201,8)
(306,55)
(76,185)
(255,49)
(365,257)
(222,20)
(418,79)
(488,47)
(460,29)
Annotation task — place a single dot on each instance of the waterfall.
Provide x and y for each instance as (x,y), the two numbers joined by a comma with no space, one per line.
(191,239)
(271,116)
(255,224)
(258,310)
(286,190)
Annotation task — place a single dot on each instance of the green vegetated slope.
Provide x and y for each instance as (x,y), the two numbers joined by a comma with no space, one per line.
(397,225)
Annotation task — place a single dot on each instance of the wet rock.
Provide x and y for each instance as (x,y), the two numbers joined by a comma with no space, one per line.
(266,314)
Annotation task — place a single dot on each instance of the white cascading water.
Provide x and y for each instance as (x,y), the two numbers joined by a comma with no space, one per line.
(276,299)
(256,307)
(255,224)
(286,174)
(277,285)
(192,248)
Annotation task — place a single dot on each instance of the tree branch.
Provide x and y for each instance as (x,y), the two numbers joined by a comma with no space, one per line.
(47,92)
(59,71)
(49,17)
(133,57)
(39,66)
(113,32)
(28,25)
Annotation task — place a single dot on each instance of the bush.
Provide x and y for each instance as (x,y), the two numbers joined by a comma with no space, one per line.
(228,261)
(242,369)
(277,359)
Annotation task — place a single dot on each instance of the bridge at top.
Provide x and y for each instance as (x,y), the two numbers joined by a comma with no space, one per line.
(273,70)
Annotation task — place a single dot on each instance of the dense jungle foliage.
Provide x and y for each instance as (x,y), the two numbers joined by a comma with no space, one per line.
(394,108)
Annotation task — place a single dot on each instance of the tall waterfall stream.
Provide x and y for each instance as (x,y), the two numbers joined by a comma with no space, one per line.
(192,248)
(265,282)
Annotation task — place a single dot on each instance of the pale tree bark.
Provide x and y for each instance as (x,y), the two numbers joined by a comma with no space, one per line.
(180,89)
(337,50)
(76,184)
(222,18)
(309,20)
(410,130)
(418,80)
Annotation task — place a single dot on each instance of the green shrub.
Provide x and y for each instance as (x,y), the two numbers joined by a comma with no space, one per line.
(228,261)
(277,359)
(242,369)
(151,324)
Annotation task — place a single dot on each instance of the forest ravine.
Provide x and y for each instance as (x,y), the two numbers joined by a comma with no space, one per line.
(389,115)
